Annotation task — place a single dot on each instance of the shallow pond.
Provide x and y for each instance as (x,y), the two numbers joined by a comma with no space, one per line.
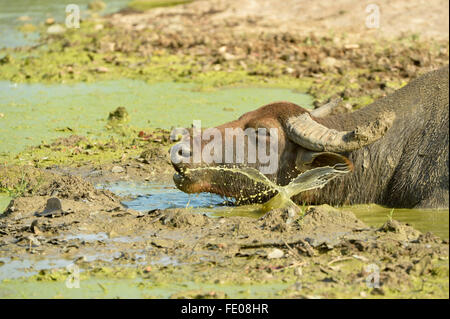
(131,288)
(14,14)
(148,196)
(36,112)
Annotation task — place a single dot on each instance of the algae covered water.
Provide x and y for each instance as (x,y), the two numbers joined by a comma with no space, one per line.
(133,288)
(15,14)
(424,220)
(36,112)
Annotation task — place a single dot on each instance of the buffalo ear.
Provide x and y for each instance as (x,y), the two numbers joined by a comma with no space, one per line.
(307,160)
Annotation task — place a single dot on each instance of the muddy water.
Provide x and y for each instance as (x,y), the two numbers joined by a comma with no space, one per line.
(425,220)
(12,269)
(148,196)
(36,112)
(132,288)
(14,14)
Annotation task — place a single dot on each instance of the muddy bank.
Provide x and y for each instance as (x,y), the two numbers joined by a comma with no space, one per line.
(136,155)
(210,44)
(428,19)
(324,252)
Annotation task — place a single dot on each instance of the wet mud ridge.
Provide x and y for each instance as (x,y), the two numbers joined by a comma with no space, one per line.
(322,252)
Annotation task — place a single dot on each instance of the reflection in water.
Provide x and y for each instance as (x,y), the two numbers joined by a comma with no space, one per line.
(18,268)
(149,196)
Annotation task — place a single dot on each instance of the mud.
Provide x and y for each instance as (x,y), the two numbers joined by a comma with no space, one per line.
(325,251)
(195,43)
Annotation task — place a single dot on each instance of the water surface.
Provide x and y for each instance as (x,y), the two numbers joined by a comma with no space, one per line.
(36,112)
(149,196)
(14,14)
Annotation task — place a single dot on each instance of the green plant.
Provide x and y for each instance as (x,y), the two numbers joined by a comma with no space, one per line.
(303,210)
(18,190)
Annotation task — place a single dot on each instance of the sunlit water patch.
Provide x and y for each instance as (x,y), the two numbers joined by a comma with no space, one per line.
(13,268)
(17,268)
(148,196)
(26,267)
(15,14)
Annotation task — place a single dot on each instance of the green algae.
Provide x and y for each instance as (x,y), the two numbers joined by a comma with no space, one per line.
(94,151)
(100,51)
(27,27)
(73,57)
(123,288)
(70,65)
(36,113)
(260,279)
(88,55)
(13,15)
(97,5)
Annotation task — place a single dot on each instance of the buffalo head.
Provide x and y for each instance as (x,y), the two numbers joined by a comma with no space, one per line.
(280,139)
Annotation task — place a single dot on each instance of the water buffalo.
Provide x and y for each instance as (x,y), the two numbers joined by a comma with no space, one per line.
(398,148)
